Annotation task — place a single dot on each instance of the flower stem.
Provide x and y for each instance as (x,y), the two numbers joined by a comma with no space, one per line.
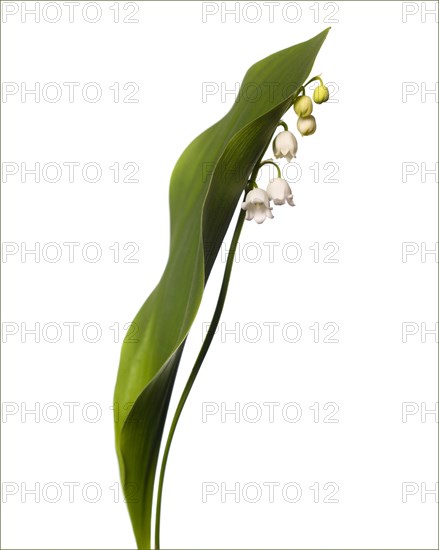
(204,349)
(283,124)
(273,163)
(313,80)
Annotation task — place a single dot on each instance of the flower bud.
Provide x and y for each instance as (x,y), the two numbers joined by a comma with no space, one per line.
(307,125)
(321,94)
(303,105)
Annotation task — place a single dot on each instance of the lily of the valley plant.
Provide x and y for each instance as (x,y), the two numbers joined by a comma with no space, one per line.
(202,205)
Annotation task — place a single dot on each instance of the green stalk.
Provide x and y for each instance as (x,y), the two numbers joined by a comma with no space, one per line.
(274,164)
(202,354)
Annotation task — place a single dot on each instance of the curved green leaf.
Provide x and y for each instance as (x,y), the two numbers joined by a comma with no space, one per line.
(205,188)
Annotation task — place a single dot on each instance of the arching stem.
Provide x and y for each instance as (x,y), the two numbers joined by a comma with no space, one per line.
(273,163)
(313,80)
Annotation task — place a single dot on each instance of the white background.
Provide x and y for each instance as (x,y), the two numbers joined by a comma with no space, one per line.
(369,212)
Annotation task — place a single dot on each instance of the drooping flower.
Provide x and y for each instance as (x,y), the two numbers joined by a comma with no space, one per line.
(257,205)
(321,94)
(279,191)
(306,125)
(303,106)
(285,145)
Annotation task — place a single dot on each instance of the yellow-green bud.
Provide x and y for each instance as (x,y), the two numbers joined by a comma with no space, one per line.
(321,94)
(303,105)
(306,125)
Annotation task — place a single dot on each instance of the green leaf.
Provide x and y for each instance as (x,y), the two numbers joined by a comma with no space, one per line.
(205,188)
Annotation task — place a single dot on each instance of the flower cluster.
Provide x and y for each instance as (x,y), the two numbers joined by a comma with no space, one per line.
(257,201)
(306,123)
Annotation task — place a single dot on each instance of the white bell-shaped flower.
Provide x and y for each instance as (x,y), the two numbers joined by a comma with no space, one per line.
(257,205)
(285,145)
(279,191)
